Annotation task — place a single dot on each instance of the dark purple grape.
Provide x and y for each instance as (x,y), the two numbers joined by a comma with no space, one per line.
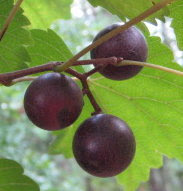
(130,45)
(53,101)
(104,145)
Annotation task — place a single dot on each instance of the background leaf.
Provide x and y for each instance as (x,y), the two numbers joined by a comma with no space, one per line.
(13,55)
(12,178)
(130,8)
(177,14)
(43,12)
(47,46)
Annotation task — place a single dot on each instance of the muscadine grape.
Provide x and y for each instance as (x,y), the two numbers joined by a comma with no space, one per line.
(129,44)
(53,101)
(104,145)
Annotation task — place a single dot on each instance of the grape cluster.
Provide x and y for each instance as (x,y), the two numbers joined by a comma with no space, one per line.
(103,145)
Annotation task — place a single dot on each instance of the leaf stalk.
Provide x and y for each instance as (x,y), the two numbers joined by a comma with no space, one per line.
(158,67)
(10,18)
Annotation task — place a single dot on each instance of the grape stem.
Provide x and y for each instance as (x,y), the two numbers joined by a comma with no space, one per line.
(23,79)
(114,32)
(10,18)
(93,71)
(86,90)
(162,68)
(31,78)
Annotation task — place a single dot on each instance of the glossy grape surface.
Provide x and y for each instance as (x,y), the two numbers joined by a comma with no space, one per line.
(103,145)
(53,101)
(130,45)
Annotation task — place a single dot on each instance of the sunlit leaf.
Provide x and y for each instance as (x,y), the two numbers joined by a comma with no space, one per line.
(177,14)
(130,8)
(43,12)
(13,54)
(47,46)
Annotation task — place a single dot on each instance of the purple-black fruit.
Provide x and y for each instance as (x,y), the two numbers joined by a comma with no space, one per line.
(104,145)
(53,101)
(129,44)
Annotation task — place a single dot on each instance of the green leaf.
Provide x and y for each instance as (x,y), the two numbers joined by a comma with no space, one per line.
(151,103)
(130,8)
(12,178)
(63,142)
(177,14)
(13,53)
(43,12)
(48,46)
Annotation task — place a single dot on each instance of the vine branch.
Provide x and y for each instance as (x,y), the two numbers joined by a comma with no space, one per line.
(114,32)
(7,78)
(98,61)
(11,78)
(10,18)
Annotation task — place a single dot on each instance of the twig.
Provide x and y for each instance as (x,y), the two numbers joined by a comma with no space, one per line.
(114,32)
(165,69)
(87,91)
(10,18)
(74,73)
(7,78)
(103,61)
(93,71)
